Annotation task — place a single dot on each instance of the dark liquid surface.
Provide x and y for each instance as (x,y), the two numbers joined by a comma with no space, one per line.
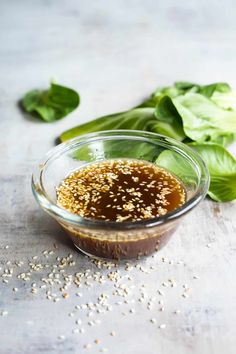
(121,191)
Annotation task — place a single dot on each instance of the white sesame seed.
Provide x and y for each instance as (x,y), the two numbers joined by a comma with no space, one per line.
(88,346)
(75,330)
(161,293)
(61,337)
(162,326)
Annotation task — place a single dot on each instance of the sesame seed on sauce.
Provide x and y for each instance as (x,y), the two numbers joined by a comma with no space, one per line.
(121,190)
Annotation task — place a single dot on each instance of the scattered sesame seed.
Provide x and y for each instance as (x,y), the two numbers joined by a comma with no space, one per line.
(88,346)
(161,293)
(162,326)
(61,337)
(177,312)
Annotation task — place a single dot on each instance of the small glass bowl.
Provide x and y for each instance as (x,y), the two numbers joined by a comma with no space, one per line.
(123,240)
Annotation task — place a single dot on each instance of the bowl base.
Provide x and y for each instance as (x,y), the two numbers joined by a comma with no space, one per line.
(120,260)
(91,255)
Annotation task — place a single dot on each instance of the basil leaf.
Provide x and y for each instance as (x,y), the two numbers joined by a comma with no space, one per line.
(52,104)
(222,167)
(203,120)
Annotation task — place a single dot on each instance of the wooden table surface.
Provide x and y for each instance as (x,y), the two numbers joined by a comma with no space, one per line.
(114,54)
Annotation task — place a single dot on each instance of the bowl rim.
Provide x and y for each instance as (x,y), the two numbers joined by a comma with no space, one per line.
(65,216)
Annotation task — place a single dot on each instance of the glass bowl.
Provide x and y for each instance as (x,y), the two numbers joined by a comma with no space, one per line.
(109,239)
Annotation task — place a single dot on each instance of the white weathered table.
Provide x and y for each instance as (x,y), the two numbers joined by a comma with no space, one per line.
(114,54)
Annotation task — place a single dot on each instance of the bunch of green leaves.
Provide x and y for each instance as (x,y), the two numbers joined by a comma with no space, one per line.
(202,116)
(52,104)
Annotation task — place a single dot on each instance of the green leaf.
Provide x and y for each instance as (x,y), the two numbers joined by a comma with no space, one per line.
(139,119)
(203,120)
(170,121)
(177,165)
(112,149)
(181,88)
(209,90)
(52,104)
(226,100)
(135,119)
(222,167)
(155,98)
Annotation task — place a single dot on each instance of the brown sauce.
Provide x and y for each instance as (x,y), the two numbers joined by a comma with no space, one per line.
(121,191)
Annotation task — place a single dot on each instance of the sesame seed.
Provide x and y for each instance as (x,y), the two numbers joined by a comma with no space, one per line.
(162,326)
(177,312)
(75,330)
(161,293)
(88,346)
(61,337)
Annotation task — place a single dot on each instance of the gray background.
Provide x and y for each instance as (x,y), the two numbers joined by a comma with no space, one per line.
(114,53)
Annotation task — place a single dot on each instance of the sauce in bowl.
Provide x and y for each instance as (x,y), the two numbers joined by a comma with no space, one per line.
(120,191)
